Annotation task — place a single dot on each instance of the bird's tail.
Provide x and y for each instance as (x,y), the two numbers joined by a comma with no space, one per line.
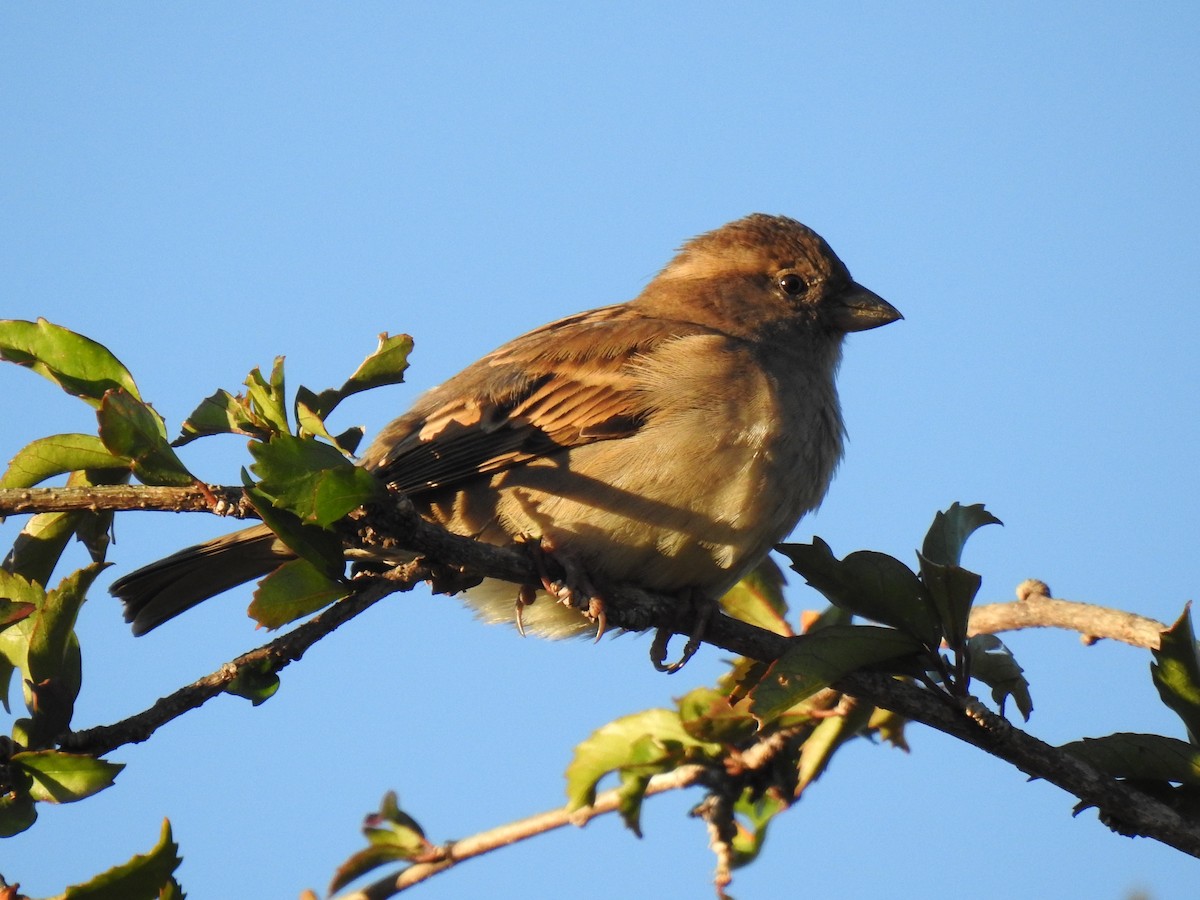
(164,589)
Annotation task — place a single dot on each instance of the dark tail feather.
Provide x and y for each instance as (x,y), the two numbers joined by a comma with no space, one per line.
(164,589)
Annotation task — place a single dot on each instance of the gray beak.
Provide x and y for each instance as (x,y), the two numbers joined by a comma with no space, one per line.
(858,309)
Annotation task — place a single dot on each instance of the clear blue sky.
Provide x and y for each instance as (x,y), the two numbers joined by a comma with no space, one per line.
(204,186)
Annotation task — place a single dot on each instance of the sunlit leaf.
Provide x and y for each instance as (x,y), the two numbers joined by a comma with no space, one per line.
(266,396)
(257,682)
(311,479)
(57,455)
(223,413)
(394,836)
(294,590)
(758,599)
(1176,672)
(829,734)
(78,364)
(130,428)
(58,777)
(144,877)
(817,660)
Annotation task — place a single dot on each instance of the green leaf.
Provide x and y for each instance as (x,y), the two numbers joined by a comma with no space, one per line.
(1149,757)
(312,423)
(294,590)
(829,734)
(817,660)
(12,612)
(38,547)
(142,878)
(707,715)
(318,545)
(17,812)
(223,413)
(132,429)
(267,400)
(993,664)
(311,479)
(257,682)
(949,532)
(952,590)
(869,584)
(65,777)
(1176,672)
(394,836)
(758,599)
(752,816)
(56,455)
(383,367)
(612,747)
(78,364)
(14,640)
(53,624)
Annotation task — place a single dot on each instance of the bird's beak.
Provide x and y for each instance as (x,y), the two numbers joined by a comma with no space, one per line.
(858,309)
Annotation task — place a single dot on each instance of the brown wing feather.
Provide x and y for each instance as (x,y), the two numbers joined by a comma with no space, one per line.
(527,399)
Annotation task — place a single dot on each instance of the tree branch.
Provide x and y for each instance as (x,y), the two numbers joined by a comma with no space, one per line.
(632,609)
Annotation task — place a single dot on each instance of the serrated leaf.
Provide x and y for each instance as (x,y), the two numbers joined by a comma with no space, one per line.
(57,455)
(817,660)
(266,396)
(318,545)
(142,878)
(1176,672)
(257,682)
(869,584)
(1149,757)
(79,365)
(758,599)
(58,777)
(993,664)
(294,590)
(222,413)
(383,367)
(949,532)
(889,726)
(130,428)
(311,479)
(610,748)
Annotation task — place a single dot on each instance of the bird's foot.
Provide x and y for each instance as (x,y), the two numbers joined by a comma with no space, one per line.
(574,588)
(703,609)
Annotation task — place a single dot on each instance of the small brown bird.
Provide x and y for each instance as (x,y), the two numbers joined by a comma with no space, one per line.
(668,442)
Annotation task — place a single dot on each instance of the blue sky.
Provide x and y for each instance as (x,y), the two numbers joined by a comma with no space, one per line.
(202,187)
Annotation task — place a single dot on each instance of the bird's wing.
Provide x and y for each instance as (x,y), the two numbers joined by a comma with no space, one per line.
(564,385)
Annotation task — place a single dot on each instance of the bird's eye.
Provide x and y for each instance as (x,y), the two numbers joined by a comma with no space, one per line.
(793,284)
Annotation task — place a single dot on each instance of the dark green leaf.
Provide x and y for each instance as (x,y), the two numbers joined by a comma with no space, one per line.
(610,748)
(758,599)
(294,590)
(994,665)
(869,584)
(952,590)
(142,878)
(56,455)
(318,545)
(17,812)
(223,413)
(1176,672)
(58,777)
(257,682)
(76,363)
(949,532)
(311,479)
(130,428)
(817,660)
(1149,757)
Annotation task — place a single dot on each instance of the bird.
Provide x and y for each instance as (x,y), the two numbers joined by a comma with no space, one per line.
(667,442)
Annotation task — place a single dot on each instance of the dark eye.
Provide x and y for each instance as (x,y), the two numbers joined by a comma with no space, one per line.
(793,284)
